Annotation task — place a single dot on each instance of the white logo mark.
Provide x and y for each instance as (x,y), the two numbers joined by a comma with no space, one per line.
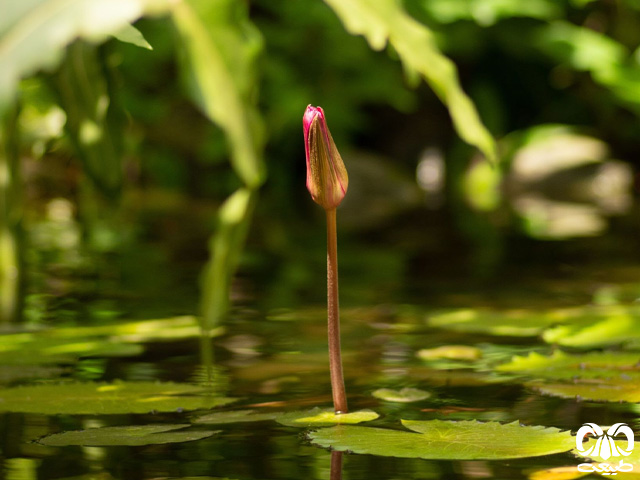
(605,446)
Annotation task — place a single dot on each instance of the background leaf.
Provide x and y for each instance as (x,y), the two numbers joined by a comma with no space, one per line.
(415,44)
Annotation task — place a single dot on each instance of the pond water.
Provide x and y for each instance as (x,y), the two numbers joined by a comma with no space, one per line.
(412,318)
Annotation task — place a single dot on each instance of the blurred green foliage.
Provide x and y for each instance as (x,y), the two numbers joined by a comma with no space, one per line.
(203,99)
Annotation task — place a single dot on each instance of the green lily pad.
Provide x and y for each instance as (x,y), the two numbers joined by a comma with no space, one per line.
(513,323)
(104,398)
(130,435)
(317,417)
(561,366)
(451,352)
(598,326)
(441,440)
(236,416)
(597,391)
(404,395)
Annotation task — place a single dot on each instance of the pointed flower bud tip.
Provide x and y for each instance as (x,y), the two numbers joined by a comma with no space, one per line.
(327,178)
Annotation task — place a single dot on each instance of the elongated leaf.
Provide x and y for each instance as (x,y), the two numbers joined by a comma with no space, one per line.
(34,33)
(386,20)
(104,399)
(130,435)
(613,390)
(221,46)
(440,440)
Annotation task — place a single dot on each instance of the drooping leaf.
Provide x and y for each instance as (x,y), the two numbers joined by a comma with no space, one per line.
(130,435)
(221,47)
(104,399)
(319,418)
(34,34)
(404,395)
(236,416)
(441,440)
(560,365)
(386,20)
(130,34)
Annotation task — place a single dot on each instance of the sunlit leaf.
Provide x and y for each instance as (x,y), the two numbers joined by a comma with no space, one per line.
(450,352)
(130,34)
(441,440)
(131,435)
(488,12)
(318,418)
(221,46)
(235,416)
(34,34)
(386,20)
(561,365)
(404,395)
(102,398)
(611,390)
(598,326)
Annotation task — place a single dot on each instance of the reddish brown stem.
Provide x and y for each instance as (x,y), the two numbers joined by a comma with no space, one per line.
(333,317)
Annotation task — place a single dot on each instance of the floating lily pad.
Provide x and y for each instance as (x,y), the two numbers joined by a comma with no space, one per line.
(514,323)
(597,391)
(598,326)
(561,365)
(236,416)
(102,398)
(319,418)
(131,435)
(558,473)
(451,352)
(441,440)
(404,395)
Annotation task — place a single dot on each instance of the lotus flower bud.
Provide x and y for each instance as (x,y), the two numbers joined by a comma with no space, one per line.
(327,178)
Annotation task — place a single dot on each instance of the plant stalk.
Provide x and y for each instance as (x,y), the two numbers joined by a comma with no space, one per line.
(333,317)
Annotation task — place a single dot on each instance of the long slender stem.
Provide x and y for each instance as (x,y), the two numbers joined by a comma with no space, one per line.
(333,317)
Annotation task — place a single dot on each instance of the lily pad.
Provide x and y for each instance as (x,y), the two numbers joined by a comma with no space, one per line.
(598,326)
(560,365)
(597,391)
(451,352)
(317,417)
(130,435)
(569,472)
(514,323)
(236,416)
(404,395)
(442,440)
(104,398)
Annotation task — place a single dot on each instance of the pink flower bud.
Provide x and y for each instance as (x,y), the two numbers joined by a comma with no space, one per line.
(327,178)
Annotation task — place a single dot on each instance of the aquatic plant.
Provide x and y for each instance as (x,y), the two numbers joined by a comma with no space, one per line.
(327,182)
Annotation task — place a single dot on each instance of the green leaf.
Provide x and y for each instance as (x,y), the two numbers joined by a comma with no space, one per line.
(130,435)
(562,366)
(404,395)
(130,34)
(226,245)
(513,323)
(34,33)
(611,390)
(451,352)
(598,326)
(318,418)
(386,20)
(488,12)
(440,440)
(221,47)
(236,416)
(105,399)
